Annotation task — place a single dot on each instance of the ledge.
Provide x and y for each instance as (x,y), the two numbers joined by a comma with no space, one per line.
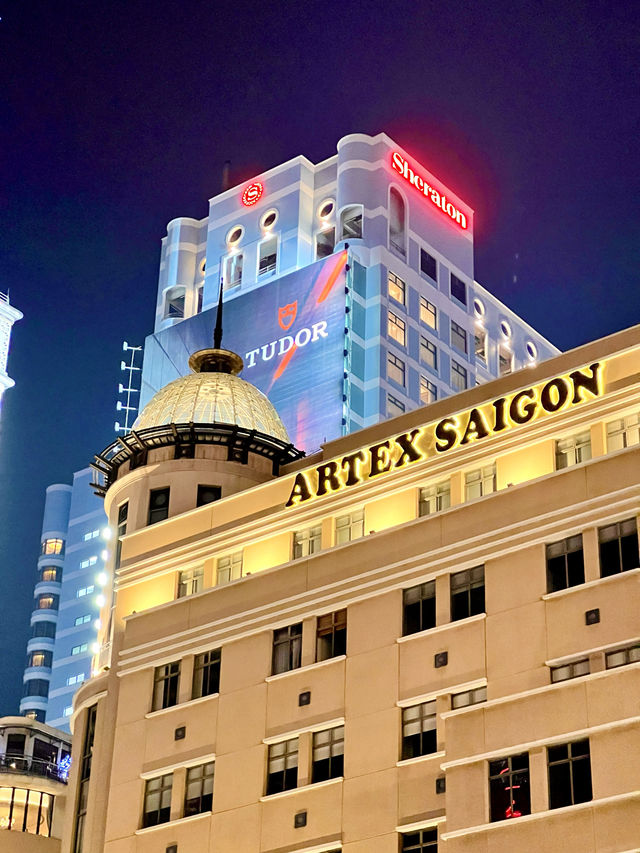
(180,706)
(560,593)
(420,758)
(309,666)
(310,787)
(177,822)
(477,618)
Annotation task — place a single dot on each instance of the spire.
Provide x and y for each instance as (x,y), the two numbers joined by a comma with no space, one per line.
(216,360)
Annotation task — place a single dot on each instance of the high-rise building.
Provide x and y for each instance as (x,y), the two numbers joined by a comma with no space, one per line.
(8,316)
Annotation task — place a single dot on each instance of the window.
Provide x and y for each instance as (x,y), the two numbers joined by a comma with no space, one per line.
(68,711)
(458,337)
(396,221)
(428,353)
(396,329)
(428,391)
(467,593)
(165,685)
(40,658)
(198,794)
(92,534)
(269,219)
(458,289)
(234,235)
(307,542)
(15,744)
(428,264)
(325,242)
(157,800)
(48,601)
(158,505)
(84,776)
(479,483)
(351,222)
(505,360)
(208,494)
(43,628)
(268,255)
(509,787)
(90,561)
(458,376)
(622,657)
(287,648)
(83,591)
(82,620)
(569,774)
(76,679)
(79,650)
(395,407)
(190,582)
(623,433)
(199,298)
(573,450)
(282,769)
(505,328)
(328,754)
(123,513)
(480,345)
(229,568)
(618,545)
(50,574)
(565,563)
(349,527)
(532,351)
(428,313)
(420,841)
(174,303)
(233,270)
(396,288)
(469,697)
(53,546)
(36,687)
(418,608)
(419,730)
(395,369)
(331,635)
(570,670)
(434,498)
(206,674)
(325,209)
(25,810)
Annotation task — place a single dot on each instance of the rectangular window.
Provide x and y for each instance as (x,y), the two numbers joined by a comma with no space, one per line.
(428,353)
(199,298)
(458,289)
(569,774)
(157,800)
(282,767)
(328,754)
(123,514)
(174,303)
(479,483)
(428,314)
(208,494)
(573,450)
(395,369)
(15,744)
(43,628)
(165,686)
(420,841)
(48,601)
(480,345)
(618,544)
(40,658)
(92,534)
(83,591)
(428,264)
(82,620)
(268,255)
(190,582)
(434,498)
(419,730)
(233,270)
(418,608)
(570,670)
(91,561)
(428,391)
(158,505)
(79,650)
(396,288)
(396,328)
(509,787)
(459,379)
(229,568)
(287,648)
(198,793)
(467,593)
(395,407)
(331,635)
(458,337)
(325,242)
(469,697)
(76,679)
(505,360)
(307,542)
(53,546)
(623,433)
(622,657)
(50,574)
(351,222)
(565,563)
(84,776)
(206,674)
(349,527)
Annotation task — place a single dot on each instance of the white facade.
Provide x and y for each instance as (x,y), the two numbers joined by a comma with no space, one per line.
(8,316)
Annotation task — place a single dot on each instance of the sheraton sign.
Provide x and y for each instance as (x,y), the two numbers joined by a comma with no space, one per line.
(434,439)
(399,164)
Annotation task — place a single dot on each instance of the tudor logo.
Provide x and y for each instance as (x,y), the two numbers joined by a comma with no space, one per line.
(287,315)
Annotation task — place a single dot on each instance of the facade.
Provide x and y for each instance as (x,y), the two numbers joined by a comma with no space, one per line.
(34,767)
(8,316)
(425,637)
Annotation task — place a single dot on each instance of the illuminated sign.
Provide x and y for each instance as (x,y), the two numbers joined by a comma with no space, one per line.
(429,441)
(439,199)
(252,194)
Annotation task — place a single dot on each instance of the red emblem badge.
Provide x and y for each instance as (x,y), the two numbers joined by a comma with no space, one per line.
(252,194)
(287,314)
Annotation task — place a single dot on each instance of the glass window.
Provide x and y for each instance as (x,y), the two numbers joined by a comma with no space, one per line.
(396,288)
(158,505)
(325,242)
(396,328)
(174,303)
(206,674)
(623,433)
(351,222)
(428,391)
(307,542)
(622,657)
(480,483)
(396,221)
(79,650)
(282,767)
(395,369)
(458,337)
(233,265)
(50,574)
(418,608)
(565,563)
(419,730)
(395,407)
(53,546)
(41,658)
(198,794)
(287,649)
(123,514)
(428,264)
(199,298)
(229,568)
(505,360)
(43,628)
(480,345)
(428,313)
(48,601)
(573,450)
(36,687)
(570,670)
(569,774)
(328,754)
(165,685)
(190,582)
(15,744)
(157,800)
(25,810)
(349,527)
(434,498)
(84,774)
(208,494)
(428,353)
(467,593)
(458,376)
(469,697)
(458,289)
(618,545)
(509,787)
(420,841)
(268,255)
(331,635)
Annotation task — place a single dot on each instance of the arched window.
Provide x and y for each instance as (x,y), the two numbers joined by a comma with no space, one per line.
(351,222)
(396,221)
(174,303)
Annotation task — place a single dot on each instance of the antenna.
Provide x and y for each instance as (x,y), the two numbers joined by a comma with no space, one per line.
(217,333)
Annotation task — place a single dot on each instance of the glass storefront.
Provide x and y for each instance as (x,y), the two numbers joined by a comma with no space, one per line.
(26,811)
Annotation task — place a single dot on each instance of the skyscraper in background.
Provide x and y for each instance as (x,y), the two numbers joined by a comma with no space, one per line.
(8,316)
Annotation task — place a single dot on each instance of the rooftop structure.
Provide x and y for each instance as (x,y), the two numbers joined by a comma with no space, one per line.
(8,316)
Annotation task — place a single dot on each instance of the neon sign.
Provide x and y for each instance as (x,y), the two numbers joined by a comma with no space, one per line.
(252,194)
(399,164)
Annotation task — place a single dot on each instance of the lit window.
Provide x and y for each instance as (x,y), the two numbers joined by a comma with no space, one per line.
(622,657)
(565,563)
(47,602)
(570,670)
(428,353)
(458,289)
(229,568)
(26,811)
(84,773)
(68,711)
(158,505)
(123,513)
(396,328)
(92,534)
(480,345)
(174,303)
(233,270)
(458,376)
(50,574)
(509,787)
(79,650)
(428,264)
(76,679)
(85,590)
(469,697)
(458,337)
(396,288)
(395,369)
(282,767)
(90,561)
(198,795)
(326,208)
(428,313)
(190,582)
(618,545)
(569,774)
(349,527)
(268,255)
(480,482)
(623,433)
(166,679)
(269,219)
(331,635)
(328,754)
(206,674)
(234,235)
(505,360)
(396,221)
(420,841)
(41,658)
(467,593)
(208,494)
(395,407)
(428,391)
(325,242)
(351,222)
(287,649)
(307,542)
(53,546)
(157,800)
(419,730)
(573,450)
(434,498)
(419,608)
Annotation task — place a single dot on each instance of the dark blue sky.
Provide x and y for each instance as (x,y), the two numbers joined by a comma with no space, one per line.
(116,117)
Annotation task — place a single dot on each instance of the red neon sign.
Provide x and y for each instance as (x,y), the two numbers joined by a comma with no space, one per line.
(399,164)
(252,194)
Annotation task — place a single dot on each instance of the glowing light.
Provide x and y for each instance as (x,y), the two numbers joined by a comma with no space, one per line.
(104,554)
(101,579)
(100,600)
(97,624)
(95,648)
(63,768)
(252,194)
(107,533)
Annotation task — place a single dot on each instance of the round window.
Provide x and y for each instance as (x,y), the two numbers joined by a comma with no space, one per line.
(269,219)
(478,308)
(532,350)
(505,328)
(234,235)
(326,208)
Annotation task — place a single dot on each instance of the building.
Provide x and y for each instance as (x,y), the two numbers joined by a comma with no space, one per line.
(34,766)
(8,316)
(425,637)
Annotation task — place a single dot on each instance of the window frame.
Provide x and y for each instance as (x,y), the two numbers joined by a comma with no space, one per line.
(355,522)
(463,583)
(163,812)
(205,680)
(291,641)
(166,686)
(424,741)
(204,780)
(571,762)
(458,337)
(427,346)
(565,548)
(335,630)
(462,375)
(398,324)
(396,365)
(288,781)
(629,553)
(425,617)
(307,541)
(509,776)
(332,766)
(155,514)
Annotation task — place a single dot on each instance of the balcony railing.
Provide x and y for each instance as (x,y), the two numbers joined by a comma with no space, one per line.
(32,766)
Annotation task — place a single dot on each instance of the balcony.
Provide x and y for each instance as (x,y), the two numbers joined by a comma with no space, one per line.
(32,767)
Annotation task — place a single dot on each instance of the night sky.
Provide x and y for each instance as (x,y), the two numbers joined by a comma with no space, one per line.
(117,116)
